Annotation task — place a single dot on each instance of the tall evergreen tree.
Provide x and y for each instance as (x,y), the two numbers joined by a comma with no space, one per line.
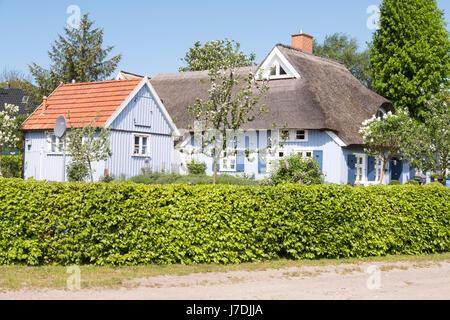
(344,49)
(410,52)
(76,56)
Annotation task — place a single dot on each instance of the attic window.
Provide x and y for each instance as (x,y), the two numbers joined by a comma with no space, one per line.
(277,71)
(381,113)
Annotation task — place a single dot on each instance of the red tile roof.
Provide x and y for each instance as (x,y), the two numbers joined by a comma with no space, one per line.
(84,101)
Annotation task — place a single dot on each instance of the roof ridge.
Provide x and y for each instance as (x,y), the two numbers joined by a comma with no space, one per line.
(100,82)
(312,54)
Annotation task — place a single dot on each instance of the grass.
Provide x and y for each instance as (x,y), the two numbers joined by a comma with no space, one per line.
(55,277)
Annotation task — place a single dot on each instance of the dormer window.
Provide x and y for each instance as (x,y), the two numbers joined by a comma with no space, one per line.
(277,71)
(276,66)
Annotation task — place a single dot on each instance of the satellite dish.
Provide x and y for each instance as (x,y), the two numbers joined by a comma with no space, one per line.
(60,126)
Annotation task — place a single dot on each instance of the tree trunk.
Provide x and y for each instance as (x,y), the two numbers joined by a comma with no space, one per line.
(215,171)
(90,171)
(383,169)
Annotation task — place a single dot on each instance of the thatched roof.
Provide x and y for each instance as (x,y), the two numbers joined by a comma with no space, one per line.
(326,97)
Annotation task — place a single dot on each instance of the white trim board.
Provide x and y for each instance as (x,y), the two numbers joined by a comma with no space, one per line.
(274,55)
(336,139)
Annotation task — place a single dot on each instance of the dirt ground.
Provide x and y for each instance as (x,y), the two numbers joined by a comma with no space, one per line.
(393,280)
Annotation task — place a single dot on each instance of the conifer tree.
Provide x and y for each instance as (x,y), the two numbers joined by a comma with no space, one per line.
(78,55)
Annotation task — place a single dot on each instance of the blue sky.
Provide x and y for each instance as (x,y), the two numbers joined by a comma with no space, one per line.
(154,35)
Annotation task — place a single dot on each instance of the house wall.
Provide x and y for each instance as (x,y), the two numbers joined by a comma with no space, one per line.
(41,164)
(332,156)
(142,115)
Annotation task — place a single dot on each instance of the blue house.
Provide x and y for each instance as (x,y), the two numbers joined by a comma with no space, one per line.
(315,102)
(320,102)
(142,132)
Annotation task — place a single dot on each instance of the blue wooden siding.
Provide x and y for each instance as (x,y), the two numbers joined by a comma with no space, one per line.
(41,164)
(142,115)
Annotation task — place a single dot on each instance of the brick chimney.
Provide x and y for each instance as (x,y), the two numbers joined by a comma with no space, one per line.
(44,103)
(303,42)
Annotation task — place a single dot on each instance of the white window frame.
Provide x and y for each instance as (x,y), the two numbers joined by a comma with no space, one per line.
(228,160)
(305,153)
(293,135)
(360,168)
(55,145)
(378,168)
(140,154)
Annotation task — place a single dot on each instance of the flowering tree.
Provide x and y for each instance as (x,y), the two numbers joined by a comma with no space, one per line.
(385,137)
(86,145)
(9,135)
(431,149)
(231,102)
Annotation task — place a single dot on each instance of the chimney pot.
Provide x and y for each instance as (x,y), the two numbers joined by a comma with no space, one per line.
(303,42)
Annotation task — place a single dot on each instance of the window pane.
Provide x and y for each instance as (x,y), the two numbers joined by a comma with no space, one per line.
(273,71)
(144,145)
(309,154)
(300,134)
(136,145)
(282,72)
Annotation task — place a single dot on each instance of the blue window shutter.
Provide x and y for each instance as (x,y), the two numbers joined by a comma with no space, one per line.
(247,142)
(318,156)
(371,168)
(351,160)
(192,140)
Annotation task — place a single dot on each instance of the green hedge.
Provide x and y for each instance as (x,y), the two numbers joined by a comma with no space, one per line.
(127,224)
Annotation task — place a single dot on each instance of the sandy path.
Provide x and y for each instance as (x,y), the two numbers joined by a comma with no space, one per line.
(400,280)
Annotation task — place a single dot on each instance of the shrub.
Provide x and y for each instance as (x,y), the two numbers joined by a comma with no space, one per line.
(394,183)
(12,166)
(435,184)
(196,168)
(77,171)
(413,182)
(195,179)
(296,169)
(128,224)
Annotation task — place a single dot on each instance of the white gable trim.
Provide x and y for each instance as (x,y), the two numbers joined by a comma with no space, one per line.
(145,82)
(276,54)
(336,139)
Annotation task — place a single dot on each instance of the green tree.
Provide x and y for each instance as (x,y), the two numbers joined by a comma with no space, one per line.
(385,137)
(76,56)
(429,148)
(344,49)
(410,51)
(88,144)
(296,169)
(216,54)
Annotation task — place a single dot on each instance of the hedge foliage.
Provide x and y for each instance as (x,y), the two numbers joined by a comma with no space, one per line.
(128,224)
